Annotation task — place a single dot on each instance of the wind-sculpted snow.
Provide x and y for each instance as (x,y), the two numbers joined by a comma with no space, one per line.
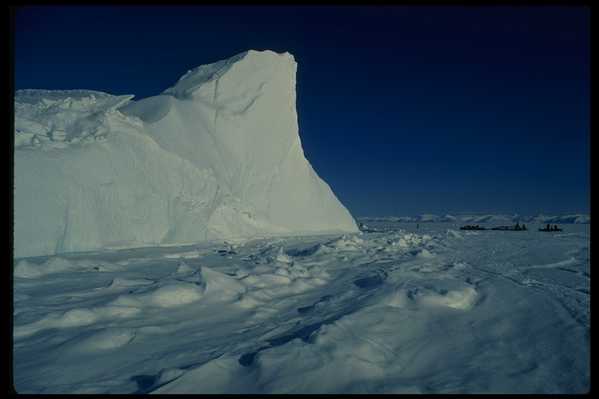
(47,119)
(433,310)
(218,155)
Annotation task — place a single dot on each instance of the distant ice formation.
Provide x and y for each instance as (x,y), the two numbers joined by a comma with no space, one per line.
(490,218)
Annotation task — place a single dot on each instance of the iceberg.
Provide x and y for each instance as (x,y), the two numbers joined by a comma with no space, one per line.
(216,156)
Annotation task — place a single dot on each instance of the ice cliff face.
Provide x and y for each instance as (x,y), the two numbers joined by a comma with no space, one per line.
(218,155)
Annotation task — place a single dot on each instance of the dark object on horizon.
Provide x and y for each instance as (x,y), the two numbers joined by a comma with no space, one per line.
(549,228)
(517,227)
(472,227)
(417,226)
(520,228)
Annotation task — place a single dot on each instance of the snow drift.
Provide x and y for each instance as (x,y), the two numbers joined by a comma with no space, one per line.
(218,155)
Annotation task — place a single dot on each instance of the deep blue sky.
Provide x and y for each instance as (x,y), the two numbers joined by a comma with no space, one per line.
(402,110)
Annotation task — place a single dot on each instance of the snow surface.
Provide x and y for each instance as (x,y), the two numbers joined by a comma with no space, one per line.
(218,155)
(433,310)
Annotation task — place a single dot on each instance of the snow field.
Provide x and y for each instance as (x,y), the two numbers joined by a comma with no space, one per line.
(389,312)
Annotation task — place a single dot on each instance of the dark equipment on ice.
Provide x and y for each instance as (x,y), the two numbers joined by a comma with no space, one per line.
(472,227)
(549,228)
(517,227)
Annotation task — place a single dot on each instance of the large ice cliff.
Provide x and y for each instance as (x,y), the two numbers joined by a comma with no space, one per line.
(216,156)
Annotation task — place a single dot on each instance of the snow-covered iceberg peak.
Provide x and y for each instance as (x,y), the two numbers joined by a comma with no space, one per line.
(195,77)
(238,118)
(218,155)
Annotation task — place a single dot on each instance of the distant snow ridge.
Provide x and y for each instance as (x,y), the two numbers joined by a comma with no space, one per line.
(218,155)
(491,218)
(579,219)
